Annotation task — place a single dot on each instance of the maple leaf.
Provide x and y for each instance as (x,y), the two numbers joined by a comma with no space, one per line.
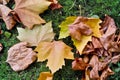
(37,34)
(45,76)
(20,57)
(27,12)
(55,52)
(81,35)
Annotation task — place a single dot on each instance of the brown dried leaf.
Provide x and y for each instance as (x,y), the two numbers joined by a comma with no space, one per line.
(108,30)
(96,42)
(79,64)
(115,59)
(106,72)
(20,57)
(88,48)
(9,20)
(78,28)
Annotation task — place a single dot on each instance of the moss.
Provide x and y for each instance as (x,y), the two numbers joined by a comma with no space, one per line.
(70,8)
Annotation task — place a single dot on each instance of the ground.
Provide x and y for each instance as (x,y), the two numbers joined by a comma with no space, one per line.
(70,8)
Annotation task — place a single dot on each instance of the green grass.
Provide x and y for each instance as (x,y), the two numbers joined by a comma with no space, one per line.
(70,8)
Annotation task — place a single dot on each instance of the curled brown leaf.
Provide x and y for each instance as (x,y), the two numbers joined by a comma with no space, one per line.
(9,20)
(20,57)
(79,64)
(79,28)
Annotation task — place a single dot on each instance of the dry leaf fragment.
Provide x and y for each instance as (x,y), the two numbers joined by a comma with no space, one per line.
(96,42)
(55,52)
(55,5)
(45,76)
(20,57)
(79,64)
(9,20)
(106,72)
(109,29)
(38,34)
(79,28)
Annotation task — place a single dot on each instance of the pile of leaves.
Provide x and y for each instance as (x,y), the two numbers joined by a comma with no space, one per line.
(96,41)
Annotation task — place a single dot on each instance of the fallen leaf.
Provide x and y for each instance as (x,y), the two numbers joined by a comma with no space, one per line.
(9,20)
(79,64)
(115,59)
(80,45)
(45,76)
(109,29)
(55,52)
(27,12)
(55,5)
(20,57)
(64,27)
(106,72)
(89,48)
(38,34)
(78,28)
(96,42)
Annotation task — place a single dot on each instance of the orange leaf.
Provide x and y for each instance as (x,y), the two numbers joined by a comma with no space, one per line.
(55,52)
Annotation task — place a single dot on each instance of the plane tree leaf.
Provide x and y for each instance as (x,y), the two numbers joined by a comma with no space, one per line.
(27,12)
(80,29)
(38,34)
(55,52)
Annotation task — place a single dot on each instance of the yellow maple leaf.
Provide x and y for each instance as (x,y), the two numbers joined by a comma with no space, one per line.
(45,76)
(55,52)
(93,24)
(80,45)
(37,34)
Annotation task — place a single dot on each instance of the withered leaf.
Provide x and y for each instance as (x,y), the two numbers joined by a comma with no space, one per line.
(20,57)
(55,52)
(78,28)
(79,64)
(109,32)
(9,20)
(106,72)
(27,12)
(38,34)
